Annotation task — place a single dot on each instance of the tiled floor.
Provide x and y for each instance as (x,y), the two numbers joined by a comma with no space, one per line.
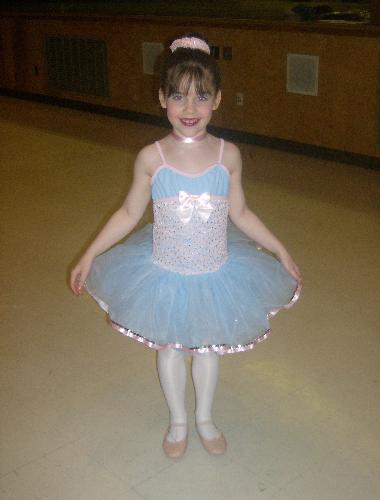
(82,411)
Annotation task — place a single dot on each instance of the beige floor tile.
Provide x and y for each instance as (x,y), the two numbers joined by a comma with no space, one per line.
(335,419)
(108,406)
(65,474)
(276,448)
(198,476)
(130,494)
(24,437)
(260,379)
(333,479)
(131,454)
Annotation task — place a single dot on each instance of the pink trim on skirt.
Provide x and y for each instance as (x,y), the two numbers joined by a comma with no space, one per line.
(219,349)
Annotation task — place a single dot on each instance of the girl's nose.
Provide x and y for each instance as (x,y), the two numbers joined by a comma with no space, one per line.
(190,104)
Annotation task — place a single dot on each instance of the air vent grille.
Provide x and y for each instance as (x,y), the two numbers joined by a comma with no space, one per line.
(302,74)
(77,64)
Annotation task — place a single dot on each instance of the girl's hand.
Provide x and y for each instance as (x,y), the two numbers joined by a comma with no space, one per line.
(79,275)
(290,266)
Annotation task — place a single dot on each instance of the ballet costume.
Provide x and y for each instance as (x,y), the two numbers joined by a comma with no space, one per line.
(191,281)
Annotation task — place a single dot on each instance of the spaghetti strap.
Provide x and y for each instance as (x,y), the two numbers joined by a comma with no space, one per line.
(221,150)
(157,143)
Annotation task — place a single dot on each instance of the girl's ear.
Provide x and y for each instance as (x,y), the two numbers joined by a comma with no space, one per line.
(217,100)
(162,99)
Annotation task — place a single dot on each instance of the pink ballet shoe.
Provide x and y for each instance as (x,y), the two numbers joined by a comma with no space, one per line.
(174,449)
(216,446)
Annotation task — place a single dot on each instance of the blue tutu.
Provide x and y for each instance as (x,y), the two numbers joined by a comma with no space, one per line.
(191,280)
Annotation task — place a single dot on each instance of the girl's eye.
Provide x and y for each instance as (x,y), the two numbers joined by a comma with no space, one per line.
(204,97)
(176,97)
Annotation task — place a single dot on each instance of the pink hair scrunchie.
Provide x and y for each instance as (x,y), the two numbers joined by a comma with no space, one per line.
(190,43)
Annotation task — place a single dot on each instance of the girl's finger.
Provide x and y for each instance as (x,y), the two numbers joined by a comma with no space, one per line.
(72,283)
(76,282)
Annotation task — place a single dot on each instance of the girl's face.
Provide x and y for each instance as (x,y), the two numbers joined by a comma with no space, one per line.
(189,114)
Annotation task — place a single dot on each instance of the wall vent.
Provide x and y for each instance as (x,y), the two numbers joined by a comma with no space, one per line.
(302,74)
(77,64)
(151,53)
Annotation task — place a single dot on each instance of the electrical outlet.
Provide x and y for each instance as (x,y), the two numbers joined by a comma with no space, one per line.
(227,53)
(239,99)
(214,51)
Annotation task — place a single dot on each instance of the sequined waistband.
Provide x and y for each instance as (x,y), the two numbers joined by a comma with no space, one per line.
(190,233)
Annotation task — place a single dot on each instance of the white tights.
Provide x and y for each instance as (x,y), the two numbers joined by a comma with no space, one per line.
(172,372)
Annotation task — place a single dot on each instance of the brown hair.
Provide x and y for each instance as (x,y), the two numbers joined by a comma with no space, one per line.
(184,66)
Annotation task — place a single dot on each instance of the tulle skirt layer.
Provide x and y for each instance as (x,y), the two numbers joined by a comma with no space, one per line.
(224,311)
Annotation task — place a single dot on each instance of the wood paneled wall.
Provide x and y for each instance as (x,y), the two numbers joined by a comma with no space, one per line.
(375,11)
(345,115)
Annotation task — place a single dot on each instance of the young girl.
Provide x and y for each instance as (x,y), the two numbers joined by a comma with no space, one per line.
(193,282)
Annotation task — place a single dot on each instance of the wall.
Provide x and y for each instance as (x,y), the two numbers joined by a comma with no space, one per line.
(344,116)
(375,11)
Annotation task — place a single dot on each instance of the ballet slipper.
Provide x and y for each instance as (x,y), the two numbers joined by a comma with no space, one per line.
(216,446)
(174,449)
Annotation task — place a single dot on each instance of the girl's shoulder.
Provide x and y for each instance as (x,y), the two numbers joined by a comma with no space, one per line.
(148,158)
(231,150)
(231,156)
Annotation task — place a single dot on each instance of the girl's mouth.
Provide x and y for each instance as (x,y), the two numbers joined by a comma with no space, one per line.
(189,122)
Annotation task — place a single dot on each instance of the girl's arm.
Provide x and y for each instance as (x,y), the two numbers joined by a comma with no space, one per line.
(120,223)
(246,220)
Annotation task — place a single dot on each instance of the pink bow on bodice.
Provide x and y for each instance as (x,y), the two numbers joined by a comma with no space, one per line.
(188,203)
